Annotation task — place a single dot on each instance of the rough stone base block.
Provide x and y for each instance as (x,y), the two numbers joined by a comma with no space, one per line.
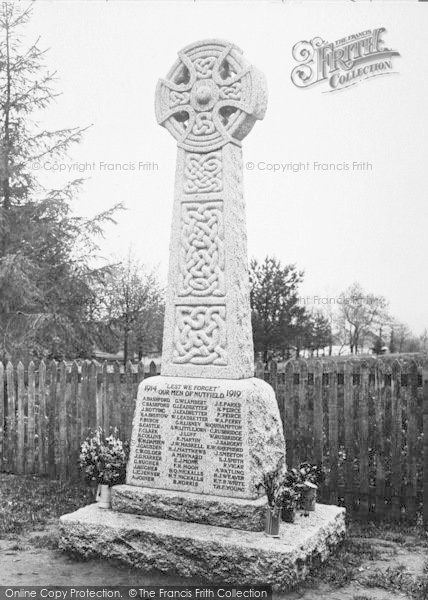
(216,554)
(238,513)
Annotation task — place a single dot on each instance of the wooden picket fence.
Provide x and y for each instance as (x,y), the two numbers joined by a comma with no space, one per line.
(46,412)
(364,420)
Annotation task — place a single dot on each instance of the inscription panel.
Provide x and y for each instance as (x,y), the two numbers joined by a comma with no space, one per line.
(191,437)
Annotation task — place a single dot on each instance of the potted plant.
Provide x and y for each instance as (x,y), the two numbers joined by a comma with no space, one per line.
(103,461)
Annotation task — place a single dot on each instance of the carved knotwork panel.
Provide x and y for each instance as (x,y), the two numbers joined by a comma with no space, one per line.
(200,335)
(204,66)
(203,173)
(202,249)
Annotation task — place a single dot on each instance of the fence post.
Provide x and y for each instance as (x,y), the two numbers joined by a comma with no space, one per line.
(273,376)
(75,419)
(128,400)
(31,429)
(92,395)
(99,396)
(62,422)
(318,415)
(2,418)
(259,368)
(117,397)
(20,438)
(364,440)
(41,450)
(11,417)
(425,438)
(396,441)
(140,374)
(379,442)
(105,404)
(52,418)
(412,437)
(153,369)
(289,429)
(348,401)
(333,435)
(84,400)
(305,424)
(273,380)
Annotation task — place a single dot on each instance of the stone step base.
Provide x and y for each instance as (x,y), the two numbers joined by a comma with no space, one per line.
(237,513)
(216,554)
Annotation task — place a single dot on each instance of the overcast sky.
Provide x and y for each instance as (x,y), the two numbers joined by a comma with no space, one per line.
(338,226)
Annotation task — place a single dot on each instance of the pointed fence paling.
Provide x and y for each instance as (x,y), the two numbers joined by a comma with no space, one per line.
(365,420)
(46,410)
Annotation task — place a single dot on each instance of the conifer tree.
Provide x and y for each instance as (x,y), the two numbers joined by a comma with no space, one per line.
(45,267)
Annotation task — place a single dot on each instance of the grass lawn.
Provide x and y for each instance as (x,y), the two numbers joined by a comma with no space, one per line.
(28,503)
(377,557)
(375,562)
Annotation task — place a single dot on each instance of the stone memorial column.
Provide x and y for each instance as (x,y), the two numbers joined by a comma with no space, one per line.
(206,430)
(206,426)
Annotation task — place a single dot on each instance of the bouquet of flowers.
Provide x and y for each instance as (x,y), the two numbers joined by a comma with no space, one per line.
(312,473)
(280,487)
(306,479)
(291,490)
(103,459)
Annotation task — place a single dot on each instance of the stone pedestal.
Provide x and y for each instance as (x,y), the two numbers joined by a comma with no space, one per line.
(205,436)
(237,513)
(216,554)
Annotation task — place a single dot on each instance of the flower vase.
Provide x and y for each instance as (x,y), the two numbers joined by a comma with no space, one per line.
(289,514)
(104,500)
(273,519)
(309,496)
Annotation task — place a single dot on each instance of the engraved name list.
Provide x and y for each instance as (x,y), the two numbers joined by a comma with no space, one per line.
(192,437)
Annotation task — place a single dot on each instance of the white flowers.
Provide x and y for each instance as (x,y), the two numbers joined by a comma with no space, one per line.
(103,459)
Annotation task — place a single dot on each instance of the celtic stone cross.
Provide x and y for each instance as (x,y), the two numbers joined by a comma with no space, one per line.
(206,427)
(209,102)
(206,433)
